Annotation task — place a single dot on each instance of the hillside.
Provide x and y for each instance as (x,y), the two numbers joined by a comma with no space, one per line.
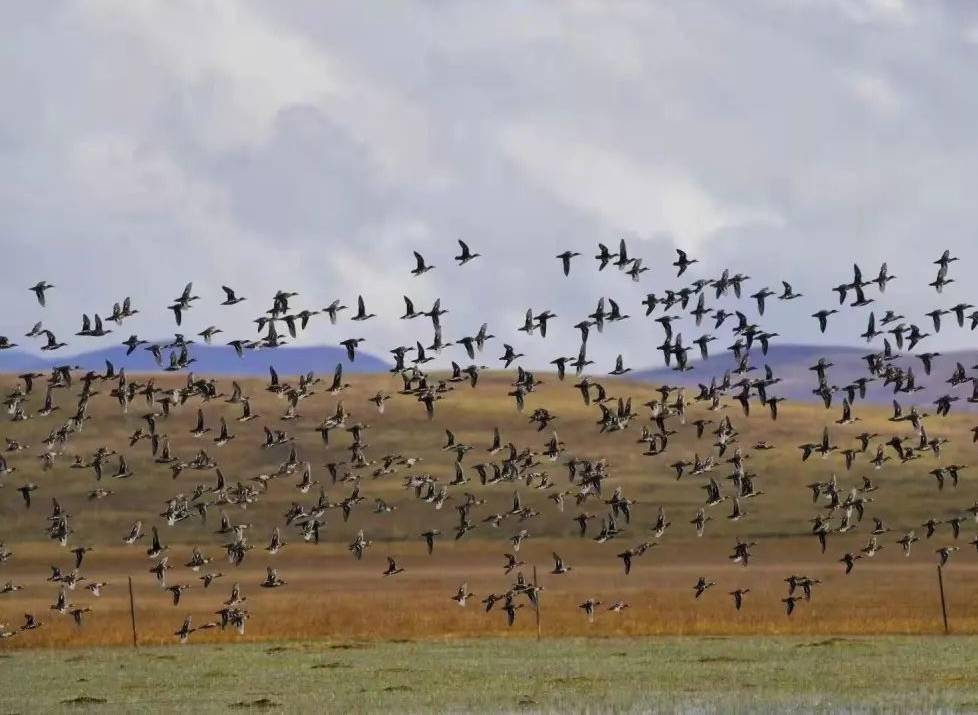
(364,604)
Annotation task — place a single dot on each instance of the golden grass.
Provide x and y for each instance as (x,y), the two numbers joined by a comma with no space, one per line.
(329,595)
(329,598)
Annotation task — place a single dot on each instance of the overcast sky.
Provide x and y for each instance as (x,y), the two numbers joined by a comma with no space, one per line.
(312,146)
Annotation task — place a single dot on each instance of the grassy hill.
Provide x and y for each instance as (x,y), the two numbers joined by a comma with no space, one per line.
(888,593)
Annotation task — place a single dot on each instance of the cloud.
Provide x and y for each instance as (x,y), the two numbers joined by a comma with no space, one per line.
(310,147)
(876,11)
(242,70)
(643,199)
(876,91)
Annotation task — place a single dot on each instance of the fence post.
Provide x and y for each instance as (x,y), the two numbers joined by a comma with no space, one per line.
(132,614)
(940,583)
(537,609)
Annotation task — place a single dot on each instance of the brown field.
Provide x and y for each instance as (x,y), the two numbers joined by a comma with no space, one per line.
(331,596)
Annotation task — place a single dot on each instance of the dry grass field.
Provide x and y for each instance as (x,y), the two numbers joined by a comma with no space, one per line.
(329,595)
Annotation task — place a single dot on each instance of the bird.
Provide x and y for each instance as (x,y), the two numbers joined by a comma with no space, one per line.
(906,541)
(392,568)
(789,603)
(683,262)
(351,345)
(176,590)
(559,566)
(40,289)
(620,369)
(738,597)
(421,268)
(156,548)
(429,538)
(944,554)
(565,260)
(466,255)
(849,560)
(52,341)
(823,318)
(512,563)
(230,297)
(628,554)
(604,256)
(183,633)
(272,579)
(701,586)
(135,533)
(25,492)
(333,310)
(589,607)
(510,609)
(462,594)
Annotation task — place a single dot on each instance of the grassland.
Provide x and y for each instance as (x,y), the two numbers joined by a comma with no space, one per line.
(329,595)
(575,675)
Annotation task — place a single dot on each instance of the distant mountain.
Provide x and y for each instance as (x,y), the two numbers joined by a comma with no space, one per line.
(791,363)
(210,359)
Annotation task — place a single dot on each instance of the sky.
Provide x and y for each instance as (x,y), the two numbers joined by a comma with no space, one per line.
(311,147)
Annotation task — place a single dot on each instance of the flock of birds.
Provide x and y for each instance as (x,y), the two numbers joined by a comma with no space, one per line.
(716,302)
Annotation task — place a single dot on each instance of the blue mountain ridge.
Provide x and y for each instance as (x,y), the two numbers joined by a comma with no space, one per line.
(210,360)
(789,362)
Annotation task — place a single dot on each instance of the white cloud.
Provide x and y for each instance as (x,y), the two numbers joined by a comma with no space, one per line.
(874,11)
(632,197)
(311,146)
(240,71)
(876,91)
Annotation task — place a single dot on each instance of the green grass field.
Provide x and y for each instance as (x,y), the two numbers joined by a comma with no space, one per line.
(511,675)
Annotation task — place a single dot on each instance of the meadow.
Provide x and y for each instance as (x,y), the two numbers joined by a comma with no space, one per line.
(695,674)
(329,595)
